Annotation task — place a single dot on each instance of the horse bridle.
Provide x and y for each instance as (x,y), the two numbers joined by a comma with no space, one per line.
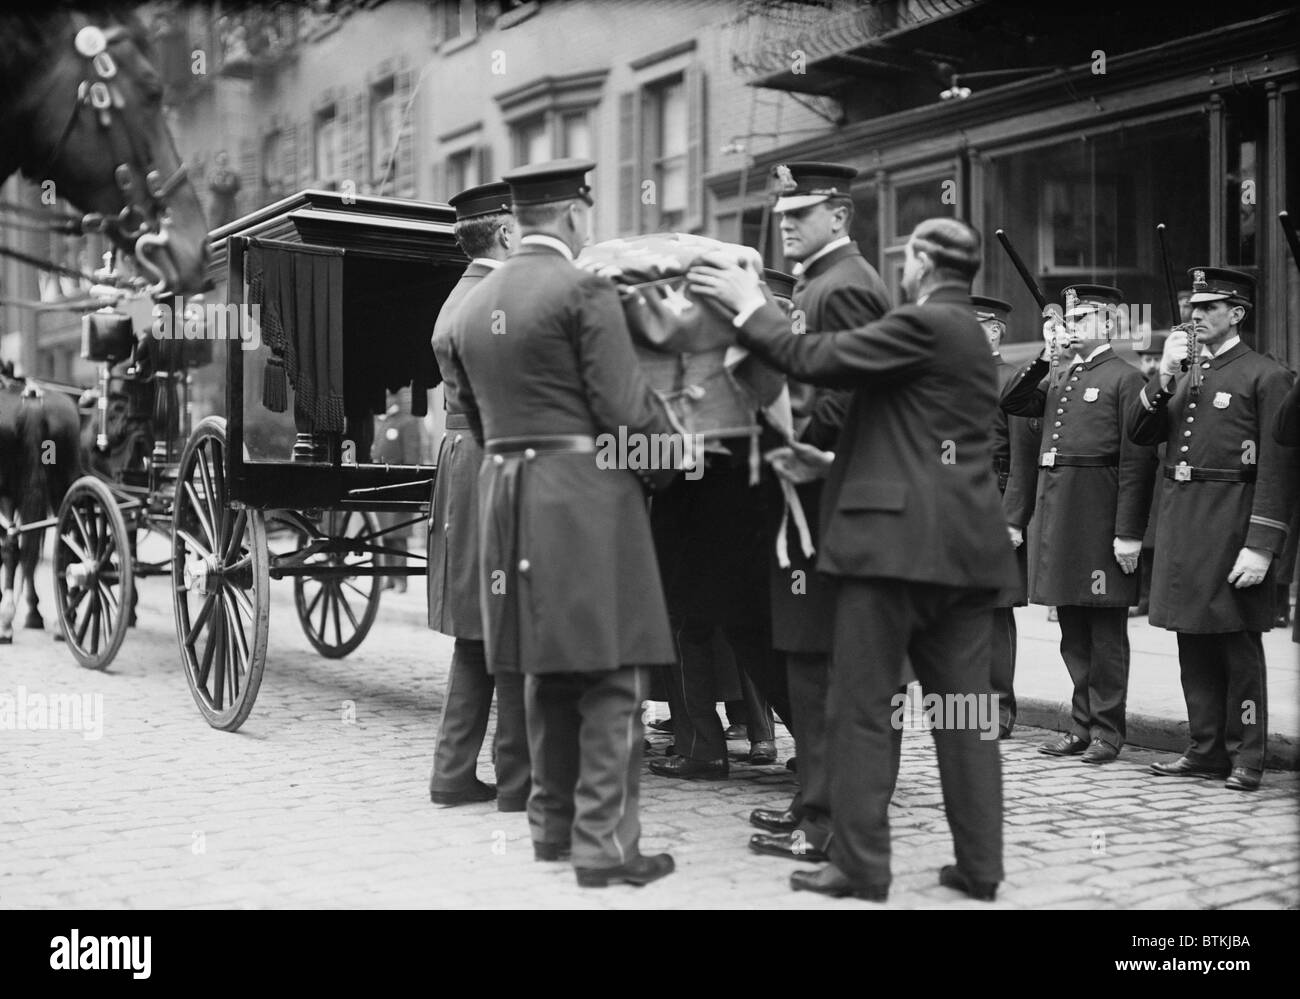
(142,210)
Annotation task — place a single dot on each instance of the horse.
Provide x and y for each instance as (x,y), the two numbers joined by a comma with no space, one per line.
(33,421)
(81,108)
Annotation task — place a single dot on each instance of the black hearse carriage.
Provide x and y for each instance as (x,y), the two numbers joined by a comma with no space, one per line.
(336,297)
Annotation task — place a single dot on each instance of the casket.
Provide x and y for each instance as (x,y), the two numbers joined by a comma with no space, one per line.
(686,345)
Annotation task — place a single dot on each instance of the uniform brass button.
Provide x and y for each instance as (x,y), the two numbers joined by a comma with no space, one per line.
(524,565)
(498,460)
(529,454)
(1191,405)
(1191,419)
(1056,437)
(447,526)
(1057,423)
(1051,449)
(1206,365)
(1064,399)
(1068,387)
(1183,448)
(1060,411)
(459,438)
(1187,433)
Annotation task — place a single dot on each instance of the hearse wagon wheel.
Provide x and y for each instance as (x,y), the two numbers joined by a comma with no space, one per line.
(220,583)
(336,612)
(93,582)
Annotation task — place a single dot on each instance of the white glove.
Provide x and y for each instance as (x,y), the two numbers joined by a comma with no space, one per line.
(1017,536)
(1176,347)
(1127,551)
(1250,568)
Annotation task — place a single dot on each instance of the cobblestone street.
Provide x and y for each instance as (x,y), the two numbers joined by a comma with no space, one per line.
(305,806)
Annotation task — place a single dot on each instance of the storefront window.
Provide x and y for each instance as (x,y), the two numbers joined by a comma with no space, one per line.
(1086,209)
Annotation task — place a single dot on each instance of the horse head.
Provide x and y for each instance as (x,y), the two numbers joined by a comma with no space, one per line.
(95,117)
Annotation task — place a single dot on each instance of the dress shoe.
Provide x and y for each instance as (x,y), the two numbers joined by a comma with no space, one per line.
(512,804)
(666,725)
(552,851)
(1099,752)
(1243,779)
(762,754)
(640,871)
(1183,767)
(684,766)
(476,792)
(1004,731)
(1067,745)
(791,846)
(735,733)
(951,876)
(770,819)
(792,764)
(830,880)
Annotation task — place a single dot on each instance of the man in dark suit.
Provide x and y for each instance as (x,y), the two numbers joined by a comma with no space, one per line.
(913,532)
(1094,493)
(836,289)
(1011,435)
(1149,351)
(486,231)
(1224,513)
(542,363)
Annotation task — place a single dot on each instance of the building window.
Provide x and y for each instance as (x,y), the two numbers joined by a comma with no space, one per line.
(530,141)
(459,17)
(575,135)
(384,120)
(329,145)
(665,141)
(273,185)
(462,171)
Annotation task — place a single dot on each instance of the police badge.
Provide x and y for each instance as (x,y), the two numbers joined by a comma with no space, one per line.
(1221,400)
(784,180)
(1091,394)
(1198,280)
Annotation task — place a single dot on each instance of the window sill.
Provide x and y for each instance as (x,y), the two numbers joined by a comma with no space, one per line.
(518,15)
(456,44)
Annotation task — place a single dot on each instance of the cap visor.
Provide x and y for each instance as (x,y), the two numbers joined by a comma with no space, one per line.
(793,204)
(1207,296)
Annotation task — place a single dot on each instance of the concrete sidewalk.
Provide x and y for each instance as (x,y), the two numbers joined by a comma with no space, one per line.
(1157,714)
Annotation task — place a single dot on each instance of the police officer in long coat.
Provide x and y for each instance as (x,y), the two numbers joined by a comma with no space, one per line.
(835,289)
(485,230)
(1094,493)
(1014,441)
(1230,490)
(543,364)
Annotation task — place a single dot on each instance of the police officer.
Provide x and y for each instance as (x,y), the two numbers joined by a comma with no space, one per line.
(1014,451)
(835,289)
(543,363)
(1149,352)
(1094,492)
(397,442)
(486,231)
(1229,493)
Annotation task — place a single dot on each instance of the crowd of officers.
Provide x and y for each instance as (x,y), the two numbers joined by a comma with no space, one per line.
(943,489)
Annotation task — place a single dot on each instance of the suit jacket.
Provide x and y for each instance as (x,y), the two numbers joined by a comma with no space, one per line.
(1015,460)
(1286,430)
(1204,524)
(453,591)
(1082,509)
(840,291)
(911,495)
(568,576)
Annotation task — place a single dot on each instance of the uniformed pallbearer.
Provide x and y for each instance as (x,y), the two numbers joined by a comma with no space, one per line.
(486,231)
(1223,522)
(543,363)
(836,289)
(1094,493)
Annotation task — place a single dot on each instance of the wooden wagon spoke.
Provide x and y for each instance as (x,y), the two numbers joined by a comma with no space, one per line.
(243,602)
(205,663)
(205,612)
(219,655)
(201,513)
(75,596)
(236,535)
(356,589)
(108,600)
(236,627)
(76,549)
(85,621)
(347,609)
(338,627)
(194,543)
(315,600)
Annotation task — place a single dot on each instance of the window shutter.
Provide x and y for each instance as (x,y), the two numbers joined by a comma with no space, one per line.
(344,127)
(695,133)
(404,166)
(306,153)
(485,174)
(629,155)
(359,140)
(250,184)
(289,158)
